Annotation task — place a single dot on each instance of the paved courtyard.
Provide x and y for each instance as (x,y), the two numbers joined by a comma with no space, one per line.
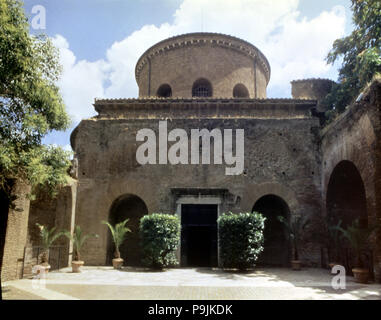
(105,283)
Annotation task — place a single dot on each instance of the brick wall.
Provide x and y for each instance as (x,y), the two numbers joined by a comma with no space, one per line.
(223,60)
(281,158)
(355,137)
(16,233)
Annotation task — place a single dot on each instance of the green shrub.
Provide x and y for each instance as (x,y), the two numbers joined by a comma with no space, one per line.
(240,239)
(160,235)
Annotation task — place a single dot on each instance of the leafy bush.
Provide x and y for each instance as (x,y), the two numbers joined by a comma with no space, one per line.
(240,239)
(30,104)
(160,234)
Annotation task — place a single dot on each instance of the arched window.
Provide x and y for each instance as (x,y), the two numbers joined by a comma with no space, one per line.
(240,91)
(164,91)
(202,88)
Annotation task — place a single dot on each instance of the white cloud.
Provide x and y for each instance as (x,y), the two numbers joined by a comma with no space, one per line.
(295,47)
(299,50)
(123,55)
(81,81)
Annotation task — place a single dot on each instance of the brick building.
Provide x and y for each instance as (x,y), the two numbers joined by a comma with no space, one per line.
(292,165)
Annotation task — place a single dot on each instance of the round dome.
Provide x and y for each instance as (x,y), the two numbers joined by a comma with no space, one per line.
(203,65)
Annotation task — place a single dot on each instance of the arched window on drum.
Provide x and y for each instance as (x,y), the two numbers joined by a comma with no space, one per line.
(202,88)
(240,91)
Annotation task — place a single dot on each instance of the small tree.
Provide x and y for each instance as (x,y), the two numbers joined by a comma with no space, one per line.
(240,239)
(48,237)
(30,105)
(160,234)
(358,238)
(119,233)
(361,53)
(78,240)
(295,230)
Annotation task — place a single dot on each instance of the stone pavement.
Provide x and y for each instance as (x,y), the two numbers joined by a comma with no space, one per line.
(105,283)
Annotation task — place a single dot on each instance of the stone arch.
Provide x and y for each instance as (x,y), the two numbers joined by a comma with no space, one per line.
(276,245)
(346,197)
(164,91)
(253,192)
(202,88)
(354,144)
(240,91)
(346,202)
(134,208)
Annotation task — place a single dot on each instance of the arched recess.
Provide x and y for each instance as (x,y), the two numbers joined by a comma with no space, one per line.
(240,91)
(276,246)
(164,91)
(346,202)
(134,208)
(346,199)
(202,88)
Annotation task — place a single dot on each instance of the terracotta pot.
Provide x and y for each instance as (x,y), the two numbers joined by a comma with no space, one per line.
(76,265)
(46,267)
(117,263)
(296,265)
(361,275)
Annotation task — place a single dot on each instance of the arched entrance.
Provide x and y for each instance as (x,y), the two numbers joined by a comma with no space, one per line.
(276,246)
(132,207)
(346,202)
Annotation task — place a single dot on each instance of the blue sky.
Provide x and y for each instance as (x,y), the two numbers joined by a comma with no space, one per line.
(101,40)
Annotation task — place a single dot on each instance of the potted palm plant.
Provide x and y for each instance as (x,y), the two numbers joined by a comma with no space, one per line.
(295,229)
(78,239)
(48,237)
(358,237)
(119,233)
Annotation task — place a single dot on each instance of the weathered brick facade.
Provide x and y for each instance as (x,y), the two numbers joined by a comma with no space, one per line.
(355,138)
(58,212)
(281,158)
(288,155)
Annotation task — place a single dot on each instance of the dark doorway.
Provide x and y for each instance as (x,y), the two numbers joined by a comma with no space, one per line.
(346,202)
(199,235)
(276,246)
(134,208)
